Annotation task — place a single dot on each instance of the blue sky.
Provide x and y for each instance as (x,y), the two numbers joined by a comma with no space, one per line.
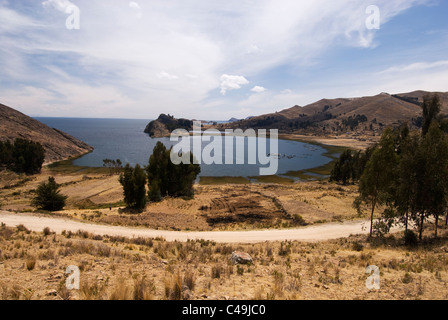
(209,59)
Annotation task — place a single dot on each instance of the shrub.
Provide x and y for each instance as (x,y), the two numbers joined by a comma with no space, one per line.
(48,196)
(173,287)
(410,238)
(357,246)
(46,231)
(216,271)
(143,289)
(407,278)
(30,263)
(298,220)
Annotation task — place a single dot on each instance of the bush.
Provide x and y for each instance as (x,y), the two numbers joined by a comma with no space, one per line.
(47,231)
(48,196)
(410,238)
(357,246)
(30,263)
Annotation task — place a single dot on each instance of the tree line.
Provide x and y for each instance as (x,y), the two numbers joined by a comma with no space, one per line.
(22,156)
(405,174)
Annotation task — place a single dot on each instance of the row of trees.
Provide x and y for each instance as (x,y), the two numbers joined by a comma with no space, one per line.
(114,166)
(405,174)
(22,156)
(162,177)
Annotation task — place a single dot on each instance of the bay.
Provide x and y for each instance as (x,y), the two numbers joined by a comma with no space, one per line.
(124,139)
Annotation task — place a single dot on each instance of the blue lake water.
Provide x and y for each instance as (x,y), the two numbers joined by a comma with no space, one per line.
(124,139)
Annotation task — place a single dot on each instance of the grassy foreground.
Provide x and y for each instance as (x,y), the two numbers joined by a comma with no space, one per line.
(33,267)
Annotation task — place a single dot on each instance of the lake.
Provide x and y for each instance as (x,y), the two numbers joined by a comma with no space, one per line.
(124,139)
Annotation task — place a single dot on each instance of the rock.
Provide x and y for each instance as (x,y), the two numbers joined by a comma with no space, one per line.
(241,258)
(54,278)
(52,293)
(163,126)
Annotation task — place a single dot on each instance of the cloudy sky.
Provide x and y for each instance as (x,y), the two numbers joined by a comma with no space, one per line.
(214,59)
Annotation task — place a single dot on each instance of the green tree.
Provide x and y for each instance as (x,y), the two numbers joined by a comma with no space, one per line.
(157,169)
(28,156)
(168,179)
(114,166)
(154,194)
(407,184)
(433,174)
(431,109)
(376,183)
(343,168)
(48,196)
(22,156)
(133,181)
(6,149)
(350,166)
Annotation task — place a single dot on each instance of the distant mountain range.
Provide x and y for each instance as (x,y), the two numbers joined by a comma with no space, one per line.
(58,145)
(364,115)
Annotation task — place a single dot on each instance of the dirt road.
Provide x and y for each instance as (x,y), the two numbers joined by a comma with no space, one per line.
(306,234)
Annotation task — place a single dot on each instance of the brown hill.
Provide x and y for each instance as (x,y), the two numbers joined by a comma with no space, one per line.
(364,115)
(58,145)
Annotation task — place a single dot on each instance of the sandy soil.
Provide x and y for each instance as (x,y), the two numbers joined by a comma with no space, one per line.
(357,143)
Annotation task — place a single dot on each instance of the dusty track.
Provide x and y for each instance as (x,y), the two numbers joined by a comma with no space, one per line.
(307,234)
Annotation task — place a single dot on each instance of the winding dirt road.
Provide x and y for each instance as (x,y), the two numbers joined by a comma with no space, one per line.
(307,234)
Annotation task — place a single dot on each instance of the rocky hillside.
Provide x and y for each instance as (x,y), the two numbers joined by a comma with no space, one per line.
(165,124)
(58,145)
(365,115)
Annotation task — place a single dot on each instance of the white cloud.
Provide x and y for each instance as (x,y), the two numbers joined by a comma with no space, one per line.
(134,5)
(229,82)
(166,75)
(258,89)
(415,67)
(60,5)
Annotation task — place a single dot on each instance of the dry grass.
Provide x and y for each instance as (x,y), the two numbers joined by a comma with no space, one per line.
(153,269)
